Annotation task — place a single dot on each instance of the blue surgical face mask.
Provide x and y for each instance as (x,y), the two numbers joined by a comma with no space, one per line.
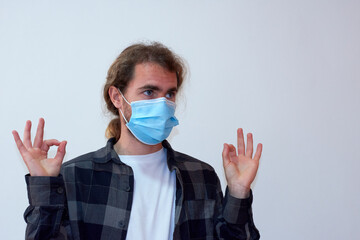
(151,120)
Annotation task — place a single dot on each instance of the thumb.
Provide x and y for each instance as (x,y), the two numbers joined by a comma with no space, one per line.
(225,155)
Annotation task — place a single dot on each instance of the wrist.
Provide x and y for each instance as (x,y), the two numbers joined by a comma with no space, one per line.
(239,191)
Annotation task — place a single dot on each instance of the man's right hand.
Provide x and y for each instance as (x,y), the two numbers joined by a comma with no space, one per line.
(35,155)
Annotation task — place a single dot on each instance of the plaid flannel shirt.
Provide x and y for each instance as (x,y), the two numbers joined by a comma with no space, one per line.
(92,199)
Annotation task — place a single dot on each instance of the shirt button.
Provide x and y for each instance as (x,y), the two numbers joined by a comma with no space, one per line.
(127,188)
(60,190)
(121,224)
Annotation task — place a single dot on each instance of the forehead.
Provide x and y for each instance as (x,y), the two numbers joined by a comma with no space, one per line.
(152,74)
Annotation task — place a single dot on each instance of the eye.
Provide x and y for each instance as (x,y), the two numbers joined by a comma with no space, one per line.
(170,95)
(148,92)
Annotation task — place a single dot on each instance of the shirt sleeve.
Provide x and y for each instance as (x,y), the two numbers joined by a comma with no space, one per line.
(235,219)
(47,208)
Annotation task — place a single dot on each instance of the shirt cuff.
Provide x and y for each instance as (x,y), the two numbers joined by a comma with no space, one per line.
(236,210)
(45,191)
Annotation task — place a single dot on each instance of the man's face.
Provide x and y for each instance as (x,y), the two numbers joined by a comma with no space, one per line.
(150,81)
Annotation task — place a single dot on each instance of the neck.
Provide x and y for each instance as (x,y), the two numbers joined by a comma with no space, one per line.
(129,145)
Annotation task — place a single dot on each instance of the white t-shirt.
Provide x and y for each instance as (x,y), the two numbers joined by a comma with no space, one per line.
(153,208)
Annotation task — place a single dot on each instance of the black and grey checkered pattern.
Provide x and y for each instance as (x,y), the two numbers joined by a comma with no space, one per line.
(92,199)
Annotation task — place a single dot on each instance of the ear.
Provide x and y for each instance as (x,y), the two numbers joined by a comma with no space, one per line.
(115,96)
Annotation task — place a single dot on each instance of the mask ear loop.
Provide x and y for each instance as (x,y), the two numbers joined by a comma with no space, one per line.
(120,108)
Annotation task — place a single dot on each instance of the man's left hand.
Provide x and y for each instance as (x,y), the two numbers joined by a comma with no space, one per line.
(240,167)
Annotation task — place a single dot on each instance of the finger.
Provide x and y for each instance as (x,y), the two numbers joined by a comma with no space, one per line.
(240,141)
(249,145)
(27,134)
(258,152)
(39,133)
(225,155)
(61,152)
(19,143)
(48,143)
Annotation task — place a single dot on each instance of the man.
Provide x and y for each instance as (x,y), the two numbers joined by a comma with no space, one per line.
(137,186)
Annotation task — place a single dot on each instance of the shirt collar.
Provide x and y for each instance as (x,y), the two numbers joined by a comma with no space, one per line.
(108,153)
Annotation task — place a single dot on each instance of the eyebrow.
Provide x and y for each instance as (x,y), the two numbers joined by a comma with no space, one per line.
(156,88)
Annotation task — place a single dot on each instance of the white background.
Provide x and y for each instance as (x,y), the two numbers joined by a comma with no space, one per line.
(288,71)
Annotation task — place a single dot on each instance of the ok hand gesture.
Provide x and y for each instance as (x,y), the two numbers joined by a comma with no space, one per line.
(240,166)
(35,155)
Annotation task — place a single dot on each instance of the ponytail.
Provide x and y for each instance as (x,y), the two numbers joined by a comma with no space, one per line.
(113,130)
